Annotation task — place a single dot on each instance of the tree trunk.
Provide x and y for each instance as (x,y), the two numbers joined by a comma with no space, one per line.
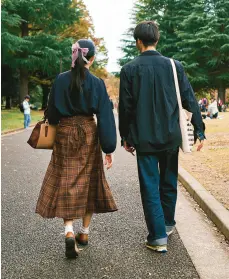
(24,80)
(222,93)
(24,76)
(45,89)
(8,102)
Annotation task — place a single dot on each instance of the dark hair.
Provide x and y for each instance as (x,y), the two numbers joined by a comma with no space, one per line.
(78,72)
(147,32)
(27,97)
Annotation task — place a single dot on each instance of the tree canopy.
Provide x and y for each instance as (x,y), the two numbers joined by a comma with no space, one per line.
(194,32)
(37,37)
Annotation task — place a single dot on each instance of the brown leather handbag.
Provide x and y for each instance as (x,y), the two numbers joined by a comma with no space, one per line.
(43,135)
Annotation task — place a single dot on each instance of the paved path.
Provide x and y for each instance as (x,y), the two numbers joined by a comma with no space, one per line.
(34,248)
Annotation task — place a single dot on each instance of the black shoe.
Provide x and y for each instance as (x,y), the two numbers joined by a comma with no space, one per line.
(72,250)
(82,239)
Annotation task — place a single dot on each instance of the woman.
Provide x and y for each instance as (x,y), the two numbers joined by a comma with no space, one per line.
(75,185)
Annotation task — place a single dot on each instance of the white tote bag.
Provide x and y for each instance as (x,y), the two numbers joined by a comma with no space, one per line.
(185,117)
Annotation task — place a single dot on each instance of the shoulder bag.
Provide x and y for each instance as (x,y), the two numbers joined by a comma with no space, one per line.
(43,135)
(185,117)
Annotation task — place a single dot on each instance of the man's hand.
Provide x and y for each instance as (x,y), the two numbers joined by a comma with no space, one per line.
(200,146)
(109,159)
(129,148)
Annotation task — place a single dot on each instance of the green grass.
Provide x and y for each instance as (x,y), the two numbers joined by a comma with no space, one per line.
(14,119)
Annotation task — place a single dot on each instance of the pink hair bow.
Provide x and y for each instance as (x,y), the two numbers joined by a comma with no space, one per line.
(75,53)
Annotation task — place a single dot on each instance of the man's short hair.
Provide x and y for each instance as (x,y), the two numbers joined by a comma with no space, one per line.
(147,32)
(27,97)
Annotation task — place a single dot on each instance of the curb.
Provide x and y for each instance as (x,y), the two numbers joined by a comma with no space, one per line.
(214,209)
(15,130)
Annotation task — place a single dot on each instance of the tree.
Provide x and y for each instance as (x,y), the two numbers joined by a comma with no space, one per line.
(204,38)
(162,12)
(196,33)
(167,14)
(10,43)
(84,28)
(37,38)
(112,85)
(36,24)
(9,84)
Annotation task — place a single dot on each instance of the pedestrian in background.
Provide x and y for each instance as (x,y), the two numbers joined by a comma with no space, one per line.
(26,107)
(200,104)
(213,109)
(149,124)
(205,104)
(75,186)
(220,104)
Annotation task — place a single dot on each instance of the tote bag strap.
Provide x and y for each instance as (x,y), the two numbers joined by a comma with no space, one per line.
(176,84)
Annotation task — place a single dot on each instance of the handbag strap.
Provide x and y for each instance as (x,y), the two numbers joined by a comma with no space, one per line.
(176,83)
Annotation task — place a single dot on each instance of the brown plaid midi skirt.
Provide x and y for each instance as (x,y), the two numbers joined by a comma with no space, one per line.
(75,182)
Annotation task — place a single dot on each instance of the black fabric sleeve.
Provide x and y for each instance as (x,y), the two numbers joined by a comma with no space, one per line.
(106,121)
(189,101)
(125,105)
(52,112)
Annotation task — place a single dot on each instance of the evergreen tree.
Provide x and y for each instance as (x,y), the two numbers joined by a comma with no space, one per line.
(37,38)
(84,28)
(33,44)
(194,32)
(165,14)
(205,45)
(10,44)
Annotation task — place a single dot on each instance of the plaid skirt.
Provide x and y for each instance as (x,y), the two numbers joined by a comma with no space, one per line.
(75,182)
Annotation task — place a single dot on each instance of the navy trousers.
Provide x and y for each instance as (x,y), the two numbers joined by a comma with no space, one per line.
(158,174)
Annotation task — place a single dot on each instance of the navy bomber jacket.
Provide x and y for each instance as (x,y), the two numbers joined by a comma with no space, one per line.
(148,107)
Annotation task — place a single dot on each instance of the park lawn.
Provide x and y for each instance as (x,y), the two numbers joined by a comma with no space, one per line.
(211,166)
(14,119)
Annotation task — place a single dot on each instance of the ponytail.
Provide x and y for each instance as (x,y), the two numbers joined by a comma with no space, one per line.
(78,74)
(82,51)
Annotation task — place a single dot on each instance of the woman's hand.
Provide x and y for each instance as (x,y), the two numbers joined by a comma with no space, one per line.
(200,146)
(109,159)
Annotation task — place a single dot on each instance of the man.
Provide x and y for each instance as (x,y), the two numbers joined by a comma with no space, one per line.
(26,107)
(149,124)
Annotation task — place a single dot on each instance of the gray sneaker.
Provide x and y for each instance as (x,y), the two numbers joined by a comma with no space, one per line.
(169,230)
(157,248)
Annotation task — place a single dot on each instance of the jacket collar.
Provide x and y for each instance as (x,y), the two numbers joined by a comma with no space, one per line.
(150,53)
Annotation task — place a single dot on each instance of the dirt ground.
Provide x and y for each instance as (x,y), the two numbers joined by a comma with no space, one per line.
(211,165)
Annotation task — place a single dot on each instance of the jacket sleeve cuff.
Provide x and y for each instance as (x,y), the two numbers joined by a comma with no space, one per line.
(200,136)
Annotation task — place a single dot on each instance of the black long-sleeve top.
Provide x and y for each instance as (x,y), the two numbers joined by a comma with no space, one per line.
(148,107)
(92,100)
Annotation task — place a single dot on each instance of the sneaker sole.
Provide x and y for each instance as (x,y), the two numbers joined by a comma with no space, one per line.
(160,249)
(169,233)
(71,248)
